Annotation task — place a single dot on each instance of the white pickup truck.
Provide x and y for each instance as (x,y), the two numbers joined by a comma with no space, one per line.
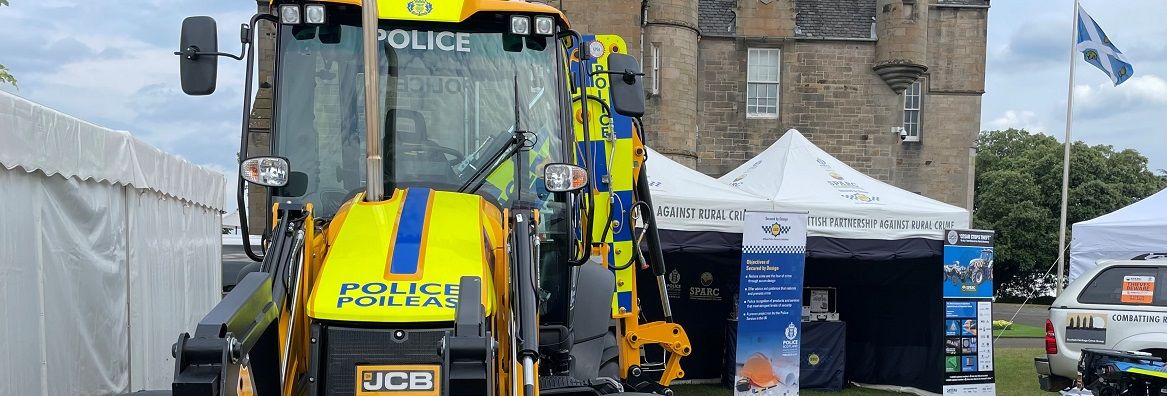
(1118,305)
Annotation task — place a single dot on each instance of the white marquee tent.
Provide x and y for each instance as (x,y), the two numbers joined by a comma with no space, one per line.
(843,202)
(109,248)
(887,242)
(688,200)
(1138,231)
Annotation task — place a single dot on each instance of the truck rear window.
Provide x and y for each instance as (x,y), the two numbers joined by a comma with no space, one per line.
(1127,286)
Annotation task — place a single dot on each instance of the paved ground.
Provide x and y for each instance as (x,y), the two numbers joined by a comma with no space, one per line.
(1033,315)
(1030,314)
(234,259)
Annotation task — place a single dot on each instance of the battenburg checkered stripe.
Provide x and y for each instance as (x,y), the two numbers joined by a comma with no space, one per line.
(774,249)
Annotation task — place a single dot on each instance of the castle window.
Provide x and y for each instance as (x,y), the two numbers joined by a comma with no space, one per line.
(913,102)
(762,83)
(654,87)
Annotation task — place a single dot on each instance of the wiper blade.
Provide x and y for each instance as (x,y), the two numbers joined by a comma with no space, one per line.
(516,142)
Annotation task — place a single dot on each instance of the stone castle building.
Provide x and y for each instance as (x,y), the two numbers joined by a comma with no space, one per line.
(726,78)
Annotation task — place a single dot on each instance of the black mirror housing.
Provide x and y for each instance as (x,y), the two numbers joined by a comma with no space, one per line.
(626,87)
(198,72)
(297,185)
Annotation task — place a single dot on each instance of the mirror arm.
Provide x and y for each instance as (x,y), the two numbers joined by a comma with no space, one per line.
(249,50)
(193,53)
(629,75)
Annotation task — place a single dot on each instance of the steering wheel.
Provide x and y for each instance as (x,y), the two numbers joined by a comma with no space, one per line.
(434,146)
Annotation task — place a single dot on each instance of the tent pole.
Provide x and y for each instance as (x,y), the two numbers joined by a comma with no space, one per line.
(1066,157)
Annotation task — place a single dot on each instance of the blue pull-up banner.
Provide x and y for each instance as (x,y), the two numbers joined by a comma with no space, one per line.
(770,304)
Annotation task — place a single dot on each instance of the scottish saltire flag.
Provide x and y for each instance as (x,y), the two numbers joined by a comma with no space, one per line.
(1099,51)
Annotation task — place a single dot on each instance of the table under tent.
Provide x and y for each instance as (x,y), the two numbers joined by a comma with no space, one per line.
(878,245)
(1135,232)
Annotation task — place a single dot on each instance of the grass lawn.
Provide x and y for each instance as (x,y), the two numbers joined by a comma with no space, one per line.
(1020,330)
(1014,369)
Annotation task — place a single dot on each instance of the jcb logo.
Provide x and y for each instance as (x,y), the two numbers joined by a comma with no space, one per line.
(397,380)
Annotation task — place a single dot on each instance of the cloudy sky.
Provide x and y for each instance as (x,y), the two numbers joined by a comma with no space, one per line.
(113,66)
(1027,67)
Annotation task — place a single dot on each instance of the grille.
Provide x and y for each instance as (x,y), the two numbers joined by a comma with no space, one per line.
(346,347)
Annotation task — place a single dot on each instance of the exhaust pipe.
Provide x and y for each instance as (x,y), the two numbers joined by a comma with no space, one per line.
(375,184)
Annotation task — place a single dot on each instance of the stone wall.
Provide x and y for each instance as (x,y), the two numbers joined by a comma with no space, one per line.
(827,92)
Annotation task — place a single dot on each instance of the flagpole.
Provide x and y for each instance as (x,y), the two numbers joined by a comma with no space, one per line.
(1066,157)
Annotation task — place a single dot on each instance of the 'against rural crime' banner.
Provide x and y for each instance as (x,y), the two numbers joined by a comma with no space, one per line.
(770,303)
(968,313)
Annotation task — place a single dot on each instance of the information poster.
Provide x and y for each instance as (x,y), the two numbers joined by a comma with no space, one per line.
(968,313)
(770,304)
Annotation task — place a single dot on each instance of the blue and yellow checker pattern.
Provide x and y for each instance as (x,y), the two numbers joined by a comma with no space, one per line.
(608,154)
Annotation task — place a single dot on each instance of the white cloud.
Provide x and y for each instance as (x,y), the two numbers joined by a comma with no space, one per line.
(1104,99)
(1020,119)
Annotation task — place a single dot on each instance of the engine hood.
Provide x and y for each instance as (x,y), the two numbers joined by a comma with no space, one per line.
(400,260)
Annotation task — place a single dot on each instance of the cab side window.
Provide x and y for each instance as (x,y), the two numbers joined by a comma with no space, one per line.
(1127,286)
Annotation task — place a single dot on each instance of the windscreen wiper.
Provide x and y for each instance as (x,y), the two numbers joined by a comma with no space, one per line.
(517,141)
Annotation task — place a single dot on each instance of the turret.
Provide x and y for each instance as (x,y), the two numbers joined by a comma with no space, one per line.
(901,53)
(671,27)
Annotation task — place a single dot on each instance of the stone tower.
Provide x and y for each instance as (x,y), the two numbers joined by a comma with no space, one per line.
(902,50)
(669,26)
(671,124)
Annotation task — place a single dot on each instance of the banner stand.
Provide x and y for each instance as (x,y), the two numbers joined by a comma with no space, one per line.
(968,313)
(770,304)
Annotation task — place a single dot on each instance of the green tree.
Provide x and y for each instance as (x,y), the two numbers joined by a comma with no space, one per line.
(1018,194)
(5,76)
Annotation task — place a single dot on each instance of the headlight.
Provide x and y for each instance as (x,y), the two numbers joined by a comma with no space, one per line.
(265,171)
(520,25)
(314,13)
(564,177)
(289,14)
(544,25)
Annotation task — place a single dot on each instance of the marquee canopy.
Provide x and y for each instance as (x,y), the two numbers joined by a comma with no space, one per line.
(688,200)
(843,203)
(1138,231)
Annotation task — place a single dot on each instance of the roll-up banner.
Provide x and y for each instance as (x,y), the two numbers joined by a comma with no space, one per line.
(770,303)
(968,313)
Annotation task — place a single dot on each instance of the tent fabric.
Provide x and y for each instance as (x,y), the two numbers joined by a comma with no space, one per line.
(816,247)
(688,200)
(843,202)
(1137,231)
(102,265)
(37,138)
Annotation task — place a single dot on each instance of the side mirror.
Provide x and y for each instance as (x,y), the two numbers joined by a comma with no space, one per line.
(265,171)
(196,66)
(627,90)
(564,177)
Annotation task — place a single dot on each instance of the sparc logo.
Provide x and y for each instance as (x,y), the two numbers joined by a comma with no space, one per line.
(397,380)
(953,237)
(706,279)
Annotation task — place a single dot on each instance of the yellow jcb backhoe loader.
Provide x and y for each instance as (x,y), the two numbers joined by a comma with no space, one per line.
(478,233)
